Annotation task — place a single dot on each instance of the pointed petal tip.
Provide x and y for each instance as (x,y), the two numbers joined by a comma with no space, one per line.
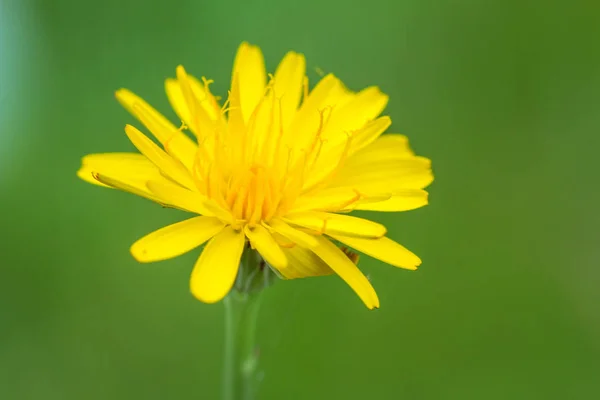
(180,70)
(119,93)
(129,129)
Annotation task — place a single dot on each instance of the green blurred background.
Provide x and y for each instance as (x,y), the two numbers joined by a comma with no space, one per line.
(504,97)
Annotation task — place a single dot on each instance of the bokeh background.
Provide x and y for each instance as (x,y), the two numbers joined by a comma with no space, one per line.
(503,96)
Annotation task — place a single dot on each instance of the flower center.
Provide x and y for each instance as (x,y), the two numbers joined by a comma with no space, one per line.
(255,170)
(253,195)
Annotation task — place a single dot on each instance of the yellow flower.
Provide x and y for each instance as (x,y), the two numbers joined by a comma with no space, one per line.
(275,166)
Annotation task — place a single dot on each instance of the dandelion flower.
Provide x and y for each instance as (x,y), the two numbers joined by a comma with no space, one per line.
(276,166)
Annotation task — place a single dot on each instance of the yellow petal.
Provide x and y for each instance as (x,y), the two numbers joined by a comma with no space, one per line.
(130,186)
(175,142)
(303,263)
(335,200)
(387,176)
(174,240)
(386,147)
(404,200)
(128,172)
(132,165)
(164,162)
(194,103)
(216,269)
(347,270)
(206,116)
(281,240)
(185,199)
(249,67)
(235,117)
(369,133)
(329,93)
(337,150)
(383,249)
(87,175)
(363,108)
(268,248)
(330,223)
(263,130)
(289,78)
(296,236)
(163,127)
(327,200)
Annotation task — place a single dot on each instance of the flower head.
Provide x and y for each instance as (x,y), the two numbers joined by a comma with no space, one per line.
(276,166)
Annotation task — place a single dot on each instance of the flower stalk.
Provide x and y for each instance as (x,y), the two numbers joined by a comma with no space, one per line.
(241,357)
(241,375)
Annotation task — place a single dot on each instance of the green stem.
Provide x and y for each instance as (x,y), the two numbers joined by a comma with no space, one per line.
(241,359)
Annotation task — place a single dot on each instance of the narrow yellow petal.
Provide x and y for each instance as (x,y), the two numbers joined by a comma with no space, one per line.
(358,139)
(296,236)
(174,240)
(175,142)
(326,200)
(187,200)
(268,248)
(335,200)
(404,200)
(386,147)
(163,161)
(87,174)
(235,117)
(289,79)
(132,165)
(383,249)
(347,270)
(262,129)
(303,263)
(369,133)
(330,223)
(130,101)
(208,113)
(387,176)
(364,107)
(341,147)
(130,186)
(249,67)
(329,93)
(282,241)
(128,172)
(191,101)
(216,269)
